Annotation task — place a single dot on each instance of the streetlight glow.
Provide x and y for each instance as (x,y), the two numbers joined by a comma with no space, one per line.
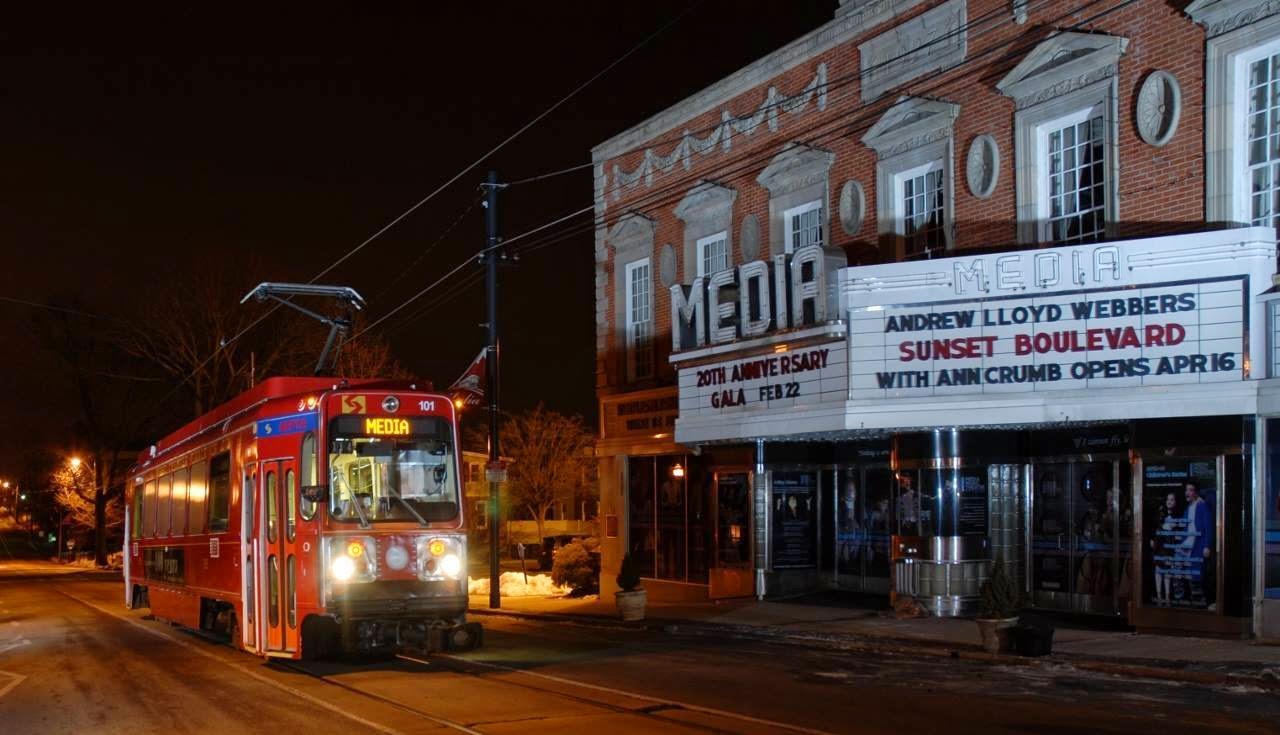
(75,463)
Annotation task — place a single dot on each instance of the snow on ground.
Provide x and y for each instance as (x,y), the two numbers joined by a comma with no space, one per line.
(512,584)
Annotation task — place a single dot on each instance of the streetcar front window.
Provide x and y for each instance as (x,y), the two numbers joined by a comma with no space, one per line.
(393,478)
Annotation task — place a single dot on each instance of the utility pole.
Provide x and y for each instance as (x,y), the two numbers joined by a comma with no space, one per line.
(490,255)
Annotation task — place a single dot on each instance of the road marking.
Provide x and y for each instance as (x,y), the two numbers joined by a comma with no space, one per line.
(242,669)
(632,695)
(10,645)
(14,681)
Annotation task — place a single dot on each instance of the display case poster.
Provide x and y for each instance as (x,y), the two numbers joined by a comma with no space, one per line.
(795,520)
(1178,501)
(971,516)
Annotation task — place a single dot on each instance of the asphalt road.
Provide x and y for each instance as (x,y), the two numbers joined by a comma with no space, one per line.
(73,659)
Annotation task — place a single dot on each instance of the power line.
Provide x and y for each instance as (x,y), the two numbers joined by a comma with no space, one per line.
(675,189)
(551,174)
(60,309)
(439,239)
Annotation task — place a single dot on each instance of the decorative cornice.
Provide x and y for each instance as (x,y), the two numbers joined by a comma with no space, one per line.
(768,114)
(631,228)
(795,167)
(1222,16)
(910,123)
(1065,61)
(706,199)
(933,41)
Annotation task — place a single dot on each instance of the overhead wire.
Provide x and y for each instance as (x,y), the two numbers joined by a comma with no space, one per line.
(838,126)
(675,189)
(470,167)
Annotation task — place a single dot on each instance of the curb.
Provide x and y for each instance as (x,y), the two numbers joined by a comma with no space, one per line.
(1179,671)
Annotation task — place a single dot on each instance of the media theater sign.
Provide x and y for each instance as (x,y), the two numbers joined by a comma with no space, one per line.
(1140,313)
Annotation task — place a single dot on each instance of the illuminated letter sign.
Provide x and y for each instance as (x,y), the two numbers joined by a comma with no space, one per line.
(386,427)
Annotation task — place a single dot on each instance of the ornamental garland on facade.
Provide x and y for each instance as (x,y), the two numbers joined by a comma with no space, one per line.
(722,135)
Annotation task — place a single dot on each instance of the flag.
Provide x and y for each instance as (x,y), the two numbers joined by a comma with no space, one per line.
(469,387)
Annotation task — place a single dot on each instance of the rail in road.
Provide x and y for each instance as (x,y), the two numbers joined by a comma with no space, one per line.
(500,695)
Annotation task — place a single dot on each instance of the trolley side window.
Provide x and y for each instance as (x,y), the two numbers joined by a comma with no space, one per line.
(178,526)
(163,506)
(219,491)
(310,474)
(138,495)
(149,505)
(197,493)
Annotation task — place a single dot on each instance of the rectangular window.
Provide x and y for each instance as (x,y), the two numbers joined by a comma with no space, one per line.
(639,306)
(1264,141)
(136,521)
(149,505)
(803,226)
(713,254)
(921,203)
(1075,177)
(178,523)
(482,514)
(197,493)
(219,491)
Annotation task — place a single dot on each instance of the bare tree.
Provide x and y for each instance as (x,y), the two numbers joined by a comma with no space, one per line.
(194,330)
(76,490)
(551,456)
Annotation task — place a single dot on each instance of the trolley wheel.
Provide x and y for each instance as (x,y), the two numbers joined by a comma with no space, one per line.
(465,637)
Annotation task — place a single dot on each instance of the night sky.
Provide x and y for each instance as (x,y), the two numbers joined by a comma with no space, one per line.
(142,143)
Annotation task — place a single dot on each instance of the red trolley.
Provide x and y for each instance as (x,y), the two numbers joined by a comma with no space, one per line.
(306,517)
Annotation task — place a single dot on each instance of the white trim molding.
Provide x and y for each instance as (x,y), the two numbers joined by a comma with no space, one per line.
(706,210)
(1065,74)
(914,132)
(934,41)
(1225,136)
(1223,16)
(796,176)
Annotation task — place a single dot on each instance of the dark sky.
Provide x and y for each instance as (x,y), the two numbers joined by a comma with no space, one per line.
(139,141)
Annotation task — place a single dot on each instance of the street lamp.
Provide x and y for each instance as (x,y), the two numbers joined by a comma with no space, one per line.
(75,463)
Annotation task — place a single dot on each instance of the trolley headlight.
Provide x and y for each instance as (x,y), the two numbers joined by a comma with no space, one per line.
(343,568)
(441,557)
(351,559)
(451,565)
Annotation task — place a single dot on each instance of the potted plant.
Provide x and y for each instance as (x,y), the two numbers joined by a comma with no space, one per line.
(631,597)
(1000,602)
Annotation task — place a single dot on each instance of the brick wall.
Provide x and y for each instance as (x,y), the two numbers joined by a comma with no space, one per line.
(1160,189)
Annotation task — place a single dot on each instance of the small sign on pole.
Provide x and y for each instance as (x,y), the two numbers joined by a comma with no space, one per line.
(496,472)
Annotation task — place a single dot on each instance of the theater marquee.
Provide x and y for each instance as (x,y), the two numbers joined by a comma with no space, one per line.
(1101,316)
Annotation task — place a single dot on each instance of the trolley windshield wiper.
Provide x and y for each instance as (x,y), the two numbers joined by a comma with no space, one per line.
(395,493)
(355,501)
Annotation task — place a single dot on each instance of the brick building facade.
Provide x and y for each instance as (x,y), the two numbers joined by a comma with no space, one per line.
(913,158)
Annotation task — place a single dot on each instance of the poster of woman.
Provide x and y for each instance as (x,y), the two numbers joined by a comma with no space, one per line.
(1178,518)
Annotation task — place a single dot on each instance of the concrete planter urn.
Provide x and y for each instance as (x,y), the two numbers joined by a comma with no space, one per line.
(631,604)
(995,634)
(631,600)
(1001,599)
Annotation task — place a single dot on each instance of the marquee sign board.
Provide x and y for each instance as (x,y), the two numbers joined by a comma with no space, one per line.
(785,378)
(1139,313)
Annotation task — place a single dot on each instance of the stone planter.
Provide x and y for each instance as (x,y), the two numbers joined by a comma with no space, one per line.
(995,634)
(631,604)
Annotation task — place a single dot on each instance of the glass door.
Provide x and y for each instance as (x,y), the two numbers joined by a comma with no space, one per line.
(1076,522)
(279,488)
(863,527)
(732,571)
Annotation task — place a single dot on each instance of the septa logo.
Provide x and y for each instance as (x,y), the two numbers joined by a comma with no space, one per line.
(353,404)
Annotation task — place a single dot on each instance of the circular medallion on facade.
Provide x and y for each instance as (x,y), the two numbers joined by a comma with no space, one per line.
(1159,107)
(853,207)
(749,238)
(667,265)
(982,166)
(390,404)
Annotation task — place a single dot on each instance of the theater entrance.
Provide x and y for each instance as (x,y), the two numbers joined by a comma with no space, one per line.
(1081,518)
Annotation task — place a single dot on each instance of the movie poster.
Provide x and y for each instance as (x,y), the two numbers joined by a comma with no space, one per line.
(1178,505)
(795,520)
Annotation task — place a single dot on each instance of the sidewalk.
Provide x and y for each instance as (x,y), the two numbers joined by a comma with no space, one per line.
(1201,660)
